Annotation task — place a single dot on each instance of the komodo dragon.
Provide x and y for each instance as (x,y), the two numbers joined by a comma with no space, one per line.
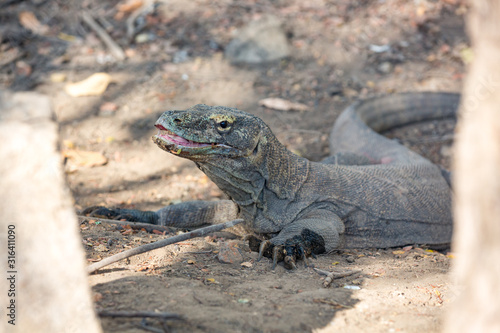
(371,192)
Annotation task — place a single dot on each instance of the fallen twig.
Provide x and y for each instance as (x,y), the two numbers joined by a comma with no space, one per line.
(142,314)
(332,303)
(114,48)
(162,316)
(145,326)
(134,225)
(330,276)
(146,8)
(162,243)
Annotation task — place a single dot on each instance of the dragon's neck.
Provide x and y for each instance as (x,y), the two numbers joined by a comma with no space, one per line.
(271,169)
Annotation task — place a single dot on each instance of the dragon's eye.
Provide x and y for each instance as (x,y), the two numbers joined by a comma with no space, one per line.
(223,124)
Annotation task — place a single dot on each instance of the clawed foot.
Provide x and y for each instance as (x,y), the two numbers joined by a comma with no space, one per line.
(293,249)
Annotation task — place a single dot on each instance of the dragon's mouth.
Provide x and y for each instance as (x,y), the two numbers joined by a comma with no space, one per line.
(172,138)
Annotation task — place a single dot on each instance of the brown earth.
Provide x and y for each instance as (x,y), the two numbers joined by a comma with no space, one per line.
(333,63)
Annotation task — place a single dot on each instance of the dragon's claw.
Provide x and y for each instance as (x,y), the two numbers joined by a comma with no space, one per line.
(264,245)
(277,252)
(293,249)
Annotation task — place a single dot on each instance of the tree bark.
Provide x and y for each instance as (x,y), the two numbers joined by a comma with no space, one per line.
(477,181)
(43,284)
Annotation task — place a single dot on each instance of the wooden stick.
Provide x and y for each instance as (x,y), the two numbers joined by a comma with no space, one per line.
(330,276)
(135,225)
(147,7)
(114,48)
(143,314)
(162,243)
(145,326)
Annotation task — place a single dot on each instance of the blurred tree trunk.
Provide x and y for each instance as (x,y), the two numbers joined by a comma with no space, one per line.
(477,180)
(44,284)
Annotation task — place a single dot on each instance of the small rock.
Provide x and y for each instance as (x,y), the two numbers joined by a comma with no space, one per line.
(144,38)
(107,109)
(246,264)
(98,297)
(101,248)
(180,56)
(259,42)
(385,67)
(350,259)
(351,287)
(380,48)
(348,92)
(229,254)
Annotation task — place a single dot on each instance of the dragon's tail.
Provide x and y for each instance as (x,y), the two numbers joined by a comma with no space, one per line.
(384,113)
(356,128)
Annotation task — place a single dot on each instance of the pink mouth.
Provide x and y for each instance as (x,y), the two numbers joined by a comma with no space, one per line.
(177,140)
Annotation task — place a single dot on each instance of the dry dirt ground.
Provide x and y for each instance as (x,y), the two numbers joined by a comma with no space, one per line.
(342,51)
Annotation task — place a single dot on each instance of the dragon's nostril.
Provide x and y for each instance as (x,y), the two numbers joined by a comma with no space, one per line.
(177,121)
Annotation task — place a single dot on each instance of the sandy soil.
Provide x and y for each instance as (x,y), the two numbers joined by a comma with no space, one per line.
(333,63)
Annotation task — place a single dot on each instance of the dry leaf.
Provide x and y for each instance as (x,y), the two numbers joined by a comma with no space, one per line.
(85,158)
(97,297)
(30,22)
(378,272)
(108,106)
(398,252)
(282,104)
(57,77)
(69,144)
(246,264)
(467,55)
(23,68)
(9,56)
(95,84)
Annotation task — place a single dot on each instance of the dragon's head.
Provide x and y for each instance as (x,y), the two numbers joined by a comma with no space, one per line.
(203,132)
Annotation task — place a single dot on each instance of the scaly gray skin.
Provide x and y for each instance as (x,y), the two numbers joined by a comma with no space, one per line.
(372,191)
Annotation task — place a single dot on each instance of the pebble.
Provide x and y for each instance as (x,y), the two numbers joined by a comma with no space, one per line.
(229,254)
(385,67)
(259,42)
